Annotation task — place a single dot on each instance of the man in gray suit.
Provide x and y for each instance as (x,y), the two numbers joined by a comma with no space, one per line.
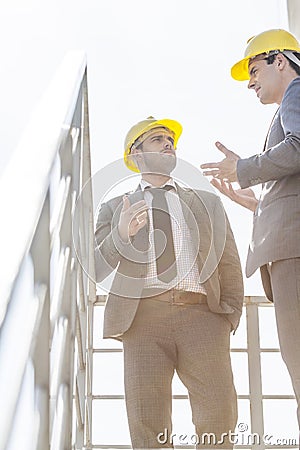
(272,66)
(176,296)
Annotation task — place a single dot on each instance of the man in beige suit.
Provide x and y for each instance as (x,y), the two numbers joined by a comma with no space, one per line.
(272,66)
(176,296)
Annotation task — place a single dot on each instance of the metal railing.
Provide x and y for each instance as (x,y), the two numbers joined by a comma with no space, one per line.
(251,438)
(45,296)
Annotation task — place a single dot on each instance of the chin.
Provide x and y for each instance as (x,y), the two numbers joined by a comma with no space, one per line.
(265,100)
(169,166)
(162,166)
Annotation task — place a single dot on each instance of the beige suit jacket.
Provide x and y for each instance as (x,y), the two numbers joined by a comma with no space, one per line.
(276,221)
(218,260)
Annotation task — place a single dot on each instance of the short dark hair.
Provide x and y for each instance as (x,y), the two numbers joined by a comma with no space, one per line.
(294,65)
(270,59)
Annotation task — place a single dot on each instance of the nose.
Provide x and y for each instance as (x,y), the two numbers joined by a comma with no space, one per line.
(167,143)
(251,83)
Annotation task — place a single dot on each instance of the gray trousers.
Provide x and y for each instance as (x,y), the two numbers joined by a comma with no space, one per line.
(285,284)
(196,343)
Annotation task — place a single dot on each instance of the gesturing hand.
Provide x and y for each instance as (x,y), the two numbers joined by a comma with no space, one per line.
(132,218)
(225,169)
(244,197)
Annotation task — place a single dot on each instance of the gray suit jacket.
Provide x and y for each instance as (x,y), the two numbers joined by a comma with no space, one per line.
(217,257)
(276,221)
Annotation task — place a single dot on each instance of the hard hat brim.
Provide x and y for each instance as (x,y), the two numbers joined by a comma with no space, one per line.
(172,125)
(239,71)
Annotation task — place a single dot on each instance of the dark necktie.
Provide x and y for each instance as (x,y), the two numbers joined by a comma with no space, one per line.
(163,237)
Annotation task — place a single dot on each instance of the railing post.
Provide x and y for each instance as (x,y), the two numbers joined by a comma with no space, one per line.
(254,370)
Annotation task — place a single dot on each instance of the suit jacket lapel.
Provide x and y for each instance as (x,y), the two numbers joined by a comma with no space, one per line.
(268,133)
(186,197)
(193,208)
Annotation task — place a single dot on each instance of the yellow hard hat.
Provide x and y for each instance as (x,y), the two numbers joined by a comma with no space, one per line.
(142,127)
(264,43)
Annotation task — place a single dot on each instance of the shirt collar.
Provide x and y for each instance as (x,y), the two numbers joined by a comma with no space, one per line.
(144,184)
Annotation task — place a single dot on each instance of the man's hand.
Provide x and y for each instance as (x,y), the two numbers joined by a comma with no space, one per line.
(225,169)
(132,218)
(244,197)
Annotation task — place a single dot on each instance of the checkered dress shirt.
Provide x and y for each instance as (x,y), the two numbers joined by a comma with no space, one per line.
(187,269)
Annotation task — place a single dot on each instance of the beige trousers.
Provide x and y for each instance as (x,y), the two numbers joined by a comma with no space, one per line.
(193,341)
(285,283)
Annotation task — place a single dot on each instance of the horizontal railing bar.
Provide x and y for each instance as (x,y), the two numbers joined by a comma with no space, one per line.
(114,446)
(185,397)
(259,300)
(278,397)
(248,300)
(181,447)
(269,350)
(107,350)
(233,350)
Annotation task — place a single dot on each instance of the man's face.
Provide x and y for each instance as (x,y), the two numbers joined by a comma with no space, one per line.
(264,79)
(156,153)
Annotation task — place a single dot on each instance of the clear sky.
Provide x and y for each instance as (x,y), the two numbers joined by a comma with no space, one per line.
(166,58)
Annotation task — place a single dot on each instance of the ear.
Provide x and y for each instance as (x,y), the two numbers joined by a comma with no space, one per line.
(135,156)
(280,61)
(135,152)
